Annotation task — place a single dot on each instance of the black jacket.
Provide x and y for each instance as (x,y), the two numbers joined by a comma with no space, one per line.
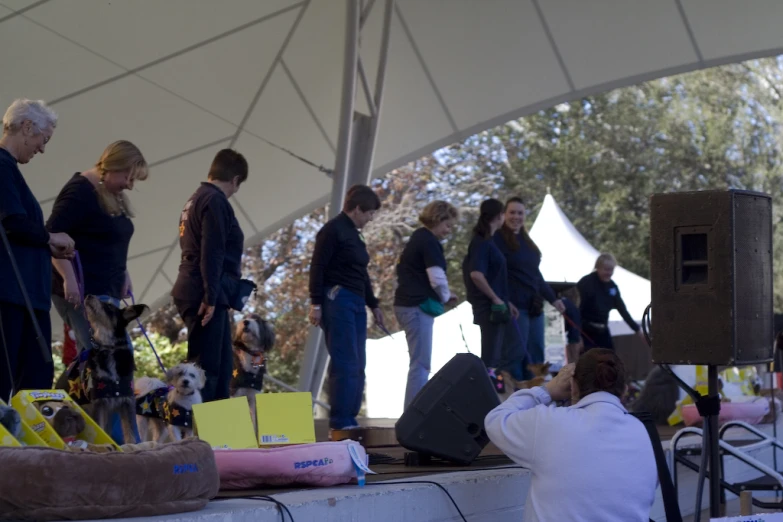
(340,257)
(211,243)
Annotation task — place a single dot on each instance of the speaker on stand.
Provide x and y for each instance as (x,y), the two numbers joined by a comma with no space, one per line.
(711,278)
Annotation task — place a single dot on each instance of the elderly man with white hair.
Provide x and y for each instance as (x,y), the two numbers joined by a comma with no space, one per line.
(28,126)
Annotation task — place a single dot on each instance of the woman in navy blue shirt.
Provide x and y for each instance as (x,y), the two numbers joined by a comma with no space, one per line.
(486,280)
(28,126)
(524,338)
(423,290)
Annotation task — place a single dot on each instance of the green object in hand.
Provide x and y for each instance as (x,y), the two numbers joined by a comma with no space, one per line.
(432,307)
(499,314)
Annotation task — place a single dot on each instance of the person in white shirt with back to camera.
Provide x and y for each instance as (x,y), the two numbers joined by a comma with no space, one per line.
(589,462)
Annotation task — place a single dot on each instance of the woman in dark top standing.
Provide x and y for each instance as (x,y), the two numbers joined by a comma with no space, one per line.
(340,288)
(212,243)
(94,209)
(423,290)
(486,280)
(523,341)
(599,295)
(28,126)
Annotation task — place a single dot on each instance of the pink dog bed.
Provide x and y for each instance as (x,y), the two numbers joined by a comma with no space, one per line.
(751,412)
(320,464)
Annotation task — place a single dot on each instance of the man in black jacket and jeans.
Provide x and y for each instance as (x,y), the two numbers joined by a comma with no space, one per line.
(212,244)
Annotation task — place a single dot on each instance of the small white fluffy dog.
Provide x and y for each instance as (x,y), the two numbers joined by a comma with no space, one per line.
(165,410)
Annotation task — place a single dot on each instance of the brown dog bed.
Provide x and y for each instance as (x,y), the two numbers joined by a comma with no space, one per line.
(39,483)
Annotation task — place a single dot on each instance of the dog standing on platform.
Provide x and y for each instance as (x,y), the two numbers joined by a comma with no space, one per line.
(101,380)
(253,338)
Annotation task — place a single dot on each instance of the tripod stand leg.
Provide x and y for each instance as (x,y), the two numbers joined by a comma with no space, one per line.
(714,446)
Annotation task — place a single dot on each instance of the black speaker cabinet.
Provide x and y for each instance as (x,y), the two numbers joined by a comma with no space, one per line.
(711,274)
(446,419)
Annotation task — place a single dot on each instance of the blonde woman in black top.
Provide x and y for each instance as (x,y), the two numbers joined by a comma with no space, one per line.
(423,290)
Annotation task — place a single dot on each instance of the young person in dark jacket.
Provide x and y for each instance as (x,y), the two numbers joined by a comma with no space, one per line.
(599,296)
(486,280)
(212,244)
(423,290)
(340,288)
(524,341)
(27,127)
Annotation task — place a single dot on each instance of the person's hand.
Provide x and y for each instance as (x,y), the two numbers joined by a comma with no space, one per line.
(378,314)
(514,311)
(315,315)
(61,241)
(497,301)
(640,333)
(127,286)
(71,291)
(559,306)
(452,301)
(61,253)
(207,311)
(559,388)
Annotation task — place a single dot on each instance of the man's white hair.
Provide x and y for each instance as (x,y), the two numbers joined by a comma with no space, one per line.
(39,114)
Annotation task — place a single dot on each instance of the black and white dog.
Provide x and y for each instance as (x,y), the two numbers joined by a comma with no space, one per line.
(253,338)
(101,379)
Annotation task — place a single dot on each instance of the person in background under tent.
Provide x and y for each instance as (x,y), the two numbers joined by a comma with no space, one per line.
(486,281)
(212,243)
(599,295)
(340,288)
(523,341)
(423,290)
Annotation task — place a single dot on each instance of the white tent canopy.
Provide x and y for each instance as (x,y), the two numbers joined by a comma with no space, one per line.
(566,257)
(183,78)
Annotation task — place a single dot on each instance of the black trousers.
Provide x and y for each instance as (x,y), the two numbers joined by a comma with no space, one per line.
(210,347)
(492,336)
(28,369)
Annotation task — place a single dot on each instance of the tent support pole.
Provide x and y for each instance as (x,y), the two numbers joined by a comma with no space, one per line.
(353,163)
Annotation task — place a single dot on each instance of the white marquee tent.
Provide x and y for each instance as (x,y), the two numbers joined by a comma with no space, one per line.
(566,257)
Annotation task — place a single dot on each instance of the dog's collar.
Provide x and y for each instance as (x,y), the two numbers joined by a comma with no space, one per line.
(258,358)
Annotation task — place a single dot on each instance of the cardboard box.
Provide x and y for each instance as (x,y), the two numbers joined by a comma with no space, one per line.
(24,402)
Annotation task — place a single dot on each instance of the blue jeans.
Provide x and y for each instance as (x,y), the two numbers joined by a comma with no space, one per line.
(418,333)
(524,344)
(76,321)
(344,322)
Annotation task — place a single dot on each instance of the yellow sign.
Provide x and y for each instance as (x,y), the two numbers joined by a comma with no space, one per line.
(25,403)
(285,418)
(225,424)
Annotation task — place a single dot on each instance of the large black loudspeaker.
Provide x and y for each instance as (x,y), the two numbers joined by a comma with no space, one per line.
(446,419)
(711,274)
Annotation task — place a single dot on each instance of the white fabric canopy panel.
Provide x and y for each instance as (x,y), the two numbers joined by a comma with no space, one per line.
(183,78)
(566,257)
